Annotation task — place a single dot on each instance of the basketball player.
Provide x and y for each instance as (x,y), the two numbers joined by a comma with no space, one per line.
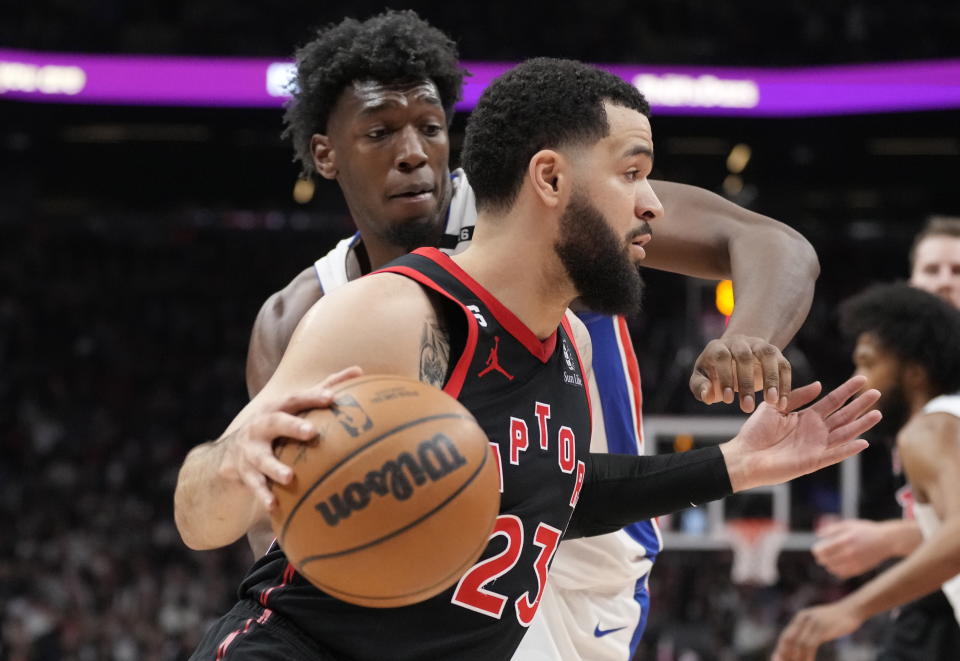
(906,347)
(851,547)
(564,211)
(332,121)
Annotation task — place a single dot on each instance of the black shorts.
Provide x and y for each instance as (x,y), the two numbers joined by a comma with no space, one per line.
(923,630)
(249,632)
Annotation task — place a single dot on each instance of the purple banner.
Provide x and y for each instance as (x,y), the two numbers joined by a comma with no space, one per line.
(243,82)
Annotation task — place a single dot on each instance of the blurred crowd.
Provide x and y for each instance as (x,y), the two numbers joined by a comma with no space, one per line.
(116,355)
(657,31)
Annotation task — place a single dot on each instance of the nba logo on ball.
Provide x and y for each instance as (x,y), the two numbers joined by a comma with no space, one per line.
(406,467)
(351,415)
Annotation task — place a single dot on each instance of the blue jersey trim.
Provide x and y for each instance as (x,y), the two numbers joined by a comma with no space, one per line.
(613,384)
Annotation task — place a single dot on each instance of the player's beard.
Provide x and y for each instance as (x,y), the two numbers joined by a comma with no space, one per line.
(420,231)
(895,409)
(415,233)
(597,261)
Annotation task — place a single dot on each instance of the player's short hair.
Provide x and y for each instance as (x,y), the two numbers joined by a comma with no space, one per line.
(935,226)
(914,325)
(543,103)
(393,47)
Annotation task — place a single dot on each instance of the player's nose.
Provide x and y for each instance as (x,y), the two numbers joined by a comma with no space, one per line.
(647,205)
(410,150)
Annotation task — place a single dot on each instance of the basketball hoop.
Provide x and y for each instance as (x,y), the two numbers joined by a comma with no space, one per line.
(756,544)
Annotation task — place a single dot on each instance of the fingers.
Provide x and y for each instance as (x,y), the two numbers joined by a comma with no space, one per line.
(720,363)
(834,556)
(835,399)
(701,387)
(795,641)
(343,375)
(803,396)
(744,361)
(832,529)
(257,483)
(319,395)
(744,365)
(838,453)
(855,428)
(824,551)
(713,377)
(853,410)
(278,424)
(772,365)
(786,383)
(251,457)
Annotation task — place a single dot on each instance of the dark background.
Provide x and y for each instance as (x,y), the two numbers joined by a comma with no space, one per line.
(136,245)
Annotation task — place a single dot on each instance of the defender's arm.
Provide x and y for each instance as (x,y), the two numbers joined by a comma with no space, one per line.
(773,269)
(274,326)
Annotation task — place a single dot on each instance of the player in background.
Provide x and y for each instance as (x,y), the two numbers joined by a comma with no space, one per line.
(907,348)
(565,211)
(386,146)
(851,547)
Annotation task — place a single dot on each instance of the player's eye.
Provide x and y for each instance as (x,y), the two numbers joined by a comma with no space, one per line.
(432,130)
(377,133)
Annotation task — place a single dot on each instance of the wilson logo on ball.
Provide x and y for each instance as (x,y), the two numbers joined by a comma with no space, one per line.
(433,460)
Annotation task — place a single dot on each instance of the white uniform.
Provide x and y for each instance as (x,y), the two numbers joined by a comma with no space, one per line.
(595,603)
(927,519)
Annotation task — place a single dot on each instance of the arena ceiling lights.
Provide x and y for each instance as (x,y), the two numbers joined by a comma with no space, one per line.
(246,82)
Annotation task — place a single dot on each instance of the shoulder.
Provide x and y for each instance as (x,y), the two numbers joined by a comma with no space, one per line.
(274,326)
(280,314)
(929,432)
(375,322)
(929,444)
(379,302)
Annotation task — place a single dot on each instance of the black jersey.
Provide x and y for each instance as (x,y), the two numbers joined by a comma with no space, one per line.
(530,398)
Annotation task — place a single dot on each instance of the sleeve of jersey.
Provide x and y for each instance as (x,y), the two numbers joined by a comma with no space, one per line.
(622,489)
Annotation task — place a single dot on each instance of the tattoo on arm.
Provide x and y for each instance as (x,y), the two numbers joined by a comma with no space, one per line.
(434,354)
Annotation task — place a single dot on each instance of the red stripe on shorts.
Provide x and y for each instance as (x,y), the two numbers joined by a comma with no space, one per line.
(230,637)
(287,577)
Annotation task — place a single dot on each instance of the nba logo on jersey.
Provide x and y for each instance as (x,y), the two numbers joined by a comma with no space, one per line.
(573,376)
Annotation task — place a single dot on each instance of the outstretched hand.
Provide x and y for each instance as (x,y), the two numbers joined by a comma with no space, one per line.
(812,627)
(851,547)
(777,446)
(741,364)
(247,454)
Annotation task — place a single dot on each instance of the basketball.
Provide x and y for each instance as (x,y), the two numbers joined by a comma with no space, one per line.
(393,500)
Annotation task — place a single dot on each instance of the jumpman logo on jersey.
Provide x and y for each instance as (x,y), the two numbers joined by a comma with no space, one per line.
(493,361)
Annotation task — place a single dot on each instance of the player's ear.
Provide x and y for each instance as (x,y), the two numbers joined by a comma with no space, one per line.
(324,156)
(548,175)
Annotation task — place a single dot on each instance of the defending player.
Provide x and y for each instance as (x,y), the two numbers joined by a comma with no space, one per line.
(851,547)
(563,214)
(906,347)
(384,141)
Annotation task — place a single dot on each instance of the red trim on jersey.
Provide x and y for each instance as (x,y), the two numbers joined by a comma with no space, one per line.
(454,384)
(586,385)
(633,371)
(510,322)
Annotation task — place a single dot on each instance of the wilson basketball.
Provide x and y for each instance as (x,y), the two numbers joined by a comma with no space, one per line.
(396,497)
